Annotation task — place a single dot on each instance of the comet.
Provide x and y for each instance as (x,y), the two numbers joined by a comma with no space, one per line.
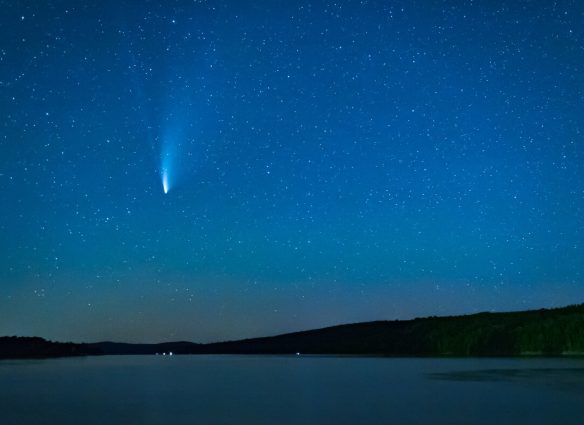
(171,140)
(165,181)
(166,168)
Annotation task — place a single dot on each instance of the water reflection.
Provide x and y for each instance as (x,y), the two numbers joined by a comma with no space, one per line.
(290,390)
(565,379)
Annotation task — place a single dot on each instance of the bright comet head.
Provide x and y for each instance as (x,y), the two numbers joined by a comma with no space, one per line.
(167,166)
(165,181)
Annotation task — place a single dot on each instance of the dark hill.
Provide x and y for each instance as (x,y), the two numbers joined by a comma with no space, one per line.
(12,347)
(548,332)
(538,332)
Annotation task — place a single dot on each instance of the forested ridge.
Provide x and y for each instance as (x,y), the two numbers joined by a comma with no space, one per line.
(545,332)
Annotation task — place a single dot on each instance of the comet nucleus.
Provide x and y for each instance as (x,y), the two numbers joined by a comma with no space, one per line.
(165,181)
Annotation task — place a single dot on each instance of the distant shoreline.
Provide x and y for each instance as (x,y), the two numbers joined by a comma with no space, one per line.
(555,332)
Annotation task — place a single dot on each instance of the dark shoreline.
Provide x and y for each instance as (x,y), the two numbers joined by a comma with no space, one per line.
(529,334)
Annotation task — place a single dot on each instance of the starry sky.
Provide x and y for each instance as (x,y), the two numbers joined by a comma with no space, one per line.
(324,162)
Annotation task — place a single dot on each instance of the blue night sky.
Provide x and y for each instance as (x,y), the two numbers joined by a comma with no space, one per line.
(325,162)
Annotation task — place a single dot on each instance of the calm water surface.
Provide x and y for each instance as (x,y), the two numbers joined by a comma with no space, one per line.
(291,390)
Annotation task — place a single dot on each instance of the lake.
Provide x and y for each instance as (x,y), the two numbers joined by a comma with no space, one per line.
(281,390)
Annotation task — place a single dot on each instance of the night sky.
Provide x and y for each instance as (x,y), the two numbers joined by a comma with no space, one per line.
(325,163)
